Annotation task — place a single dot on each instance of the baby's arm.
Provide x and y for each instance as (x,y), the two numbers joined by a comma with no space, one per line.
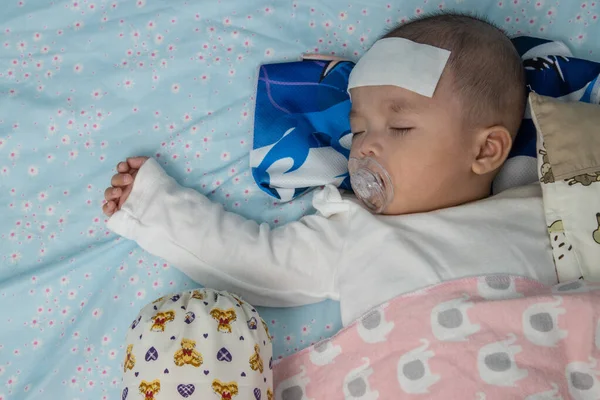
(290,265)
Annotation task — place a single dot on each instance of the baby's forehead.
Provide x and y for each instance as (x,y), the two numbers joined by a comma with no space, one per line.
(402,63)
(395,100)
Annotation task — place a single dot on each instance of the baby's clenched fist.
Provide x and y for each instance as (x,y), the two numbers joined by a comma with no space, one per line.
(121,184)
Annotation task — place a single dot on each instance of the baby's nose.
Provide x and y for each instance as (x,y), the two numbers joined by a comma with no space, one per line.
(367,152)
(371,147)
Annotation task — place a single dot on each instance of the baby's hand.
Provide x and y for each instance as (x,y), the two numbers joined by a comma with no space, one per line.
(122,183)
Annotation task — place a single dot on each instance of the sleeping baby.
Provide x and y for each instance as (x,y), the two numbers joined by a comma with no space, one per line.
(433,159)
(436,105)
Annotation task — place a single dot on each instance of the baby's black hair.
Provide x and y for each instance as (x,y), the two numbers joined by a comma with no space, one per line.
(484,65)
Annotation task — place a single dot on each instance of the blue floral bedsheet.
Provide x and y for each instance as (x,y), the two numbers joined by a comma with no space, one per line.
(85,83)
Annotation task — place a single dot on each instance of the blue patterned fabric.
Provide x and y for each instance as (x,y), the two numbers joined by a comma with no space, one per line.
(300,107)
(555,74)
(85,83)
(303,106)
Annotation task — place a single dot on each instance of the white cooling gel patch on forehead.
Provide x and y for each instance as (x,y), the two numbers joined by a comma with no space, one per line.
(400,62)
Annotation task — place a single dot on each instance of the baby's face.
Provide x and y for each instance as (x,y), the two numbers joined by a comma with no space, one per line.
(420,141)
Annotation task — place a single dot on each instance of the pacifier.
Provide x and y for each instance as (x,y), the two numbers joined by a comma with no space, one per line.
(371,183)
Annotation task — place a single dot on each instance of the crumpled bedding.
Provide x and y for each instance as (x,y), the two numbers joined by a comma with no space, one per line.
(85,83)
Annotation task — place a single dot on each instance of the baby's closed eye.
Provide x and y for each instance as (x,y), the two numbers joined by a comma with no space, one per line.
(400,131)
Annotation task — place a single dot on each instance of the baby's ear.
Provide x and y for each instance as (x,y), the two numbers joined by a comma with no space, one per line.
(492,148)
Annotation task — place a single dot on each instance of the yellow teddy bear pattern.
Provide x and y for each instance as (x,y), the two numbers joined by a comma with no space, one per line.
(256,362)
(264,324)
(188,354)
(129,362)
(224,317)
(225,390)
(198,295)
(160,319)
(149,389)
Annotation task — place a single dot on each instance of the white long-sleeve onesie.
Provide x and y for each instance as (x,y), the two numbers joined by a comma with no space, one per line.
(343,252)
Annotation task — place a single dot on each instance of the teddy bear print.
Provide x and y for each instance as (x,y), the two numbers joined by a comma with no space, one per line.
(149,389)
(224,317)
(256,362)
(198,295)
(238,300)
(188,354)
(225,390)
(129,362)
(264,324)
(160,319)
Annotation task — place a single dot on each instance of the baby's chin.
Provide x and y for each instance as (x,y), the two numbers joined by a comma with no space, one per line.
(424,204)
(415,207)
(400,209)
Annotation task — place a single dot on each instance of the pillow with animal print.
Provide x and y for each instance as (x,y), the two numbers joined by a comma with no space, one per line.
(568,146)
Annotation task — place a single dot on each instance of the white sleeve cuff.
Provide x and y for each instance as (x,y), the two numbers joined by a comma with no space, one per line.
(148,180)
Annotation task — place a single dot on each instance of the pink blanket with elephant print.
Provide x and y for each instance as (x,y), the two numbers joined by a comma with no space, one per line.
(493,337)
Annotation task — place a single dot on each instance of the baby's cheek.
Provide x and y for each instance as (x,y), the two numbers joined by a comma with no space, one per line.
(414,174)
